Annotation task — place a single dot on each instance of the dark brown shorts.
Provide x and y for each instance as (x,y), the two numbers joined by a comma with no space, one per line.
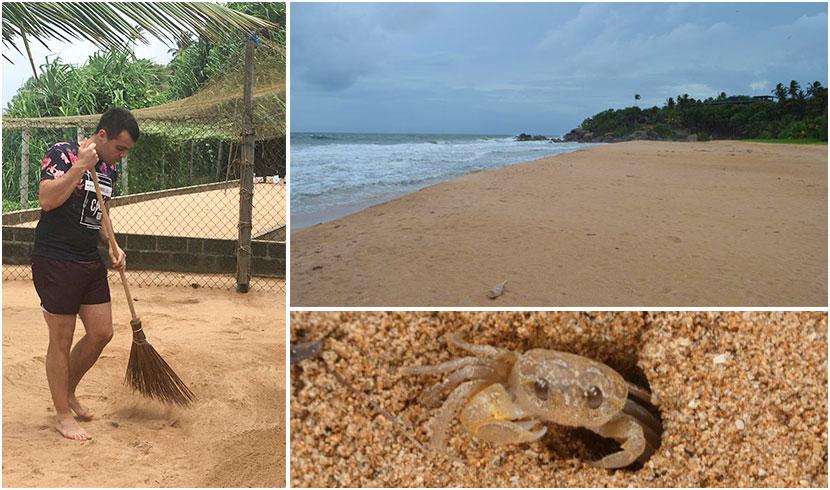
(63,285)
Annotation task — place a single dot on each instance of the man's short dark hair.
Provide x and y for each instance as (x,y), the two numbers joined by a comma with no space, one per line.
(116,120)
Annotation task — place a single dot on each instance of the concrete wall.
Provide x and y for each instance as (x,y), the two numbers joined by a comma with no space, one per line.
(165,253)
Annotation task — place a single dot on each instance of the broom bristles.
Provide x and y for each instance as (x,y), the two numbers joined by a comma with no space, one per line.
(151,376)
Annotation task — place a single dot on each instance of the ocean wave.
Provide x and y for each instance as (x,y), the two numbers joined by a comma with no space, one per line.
(359,167)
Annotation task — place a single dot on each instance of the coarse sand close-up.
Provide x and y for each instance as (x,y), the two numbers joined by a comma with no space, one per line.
(228,348)
(742,397)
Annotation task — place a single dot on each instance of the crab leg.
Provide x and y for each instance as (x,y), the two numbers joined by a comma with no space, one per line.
(443,367)
(464,374)
(639,393)
(479,350)
(651,426)
(625,430)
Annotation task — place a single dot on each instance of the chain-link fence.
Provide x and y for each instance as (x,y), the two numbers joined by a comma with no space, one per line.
(180,202)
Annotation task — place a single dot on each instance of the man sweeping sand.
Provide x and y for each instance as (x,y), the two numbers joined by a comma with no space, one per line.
(69,275)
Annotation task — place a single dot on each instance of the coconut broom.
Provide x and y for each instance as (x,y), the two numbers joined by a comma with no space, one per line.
(147,372)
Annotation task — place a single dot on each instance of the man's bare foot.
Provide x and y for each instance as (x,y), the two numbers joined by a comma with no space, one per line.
(66,424)
(82,412)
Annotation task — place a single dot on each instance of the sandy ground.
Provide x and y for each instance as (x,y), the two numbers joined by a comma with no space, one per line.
(229,348)
(162,278)
(210,214)
(743,399)
(641,223)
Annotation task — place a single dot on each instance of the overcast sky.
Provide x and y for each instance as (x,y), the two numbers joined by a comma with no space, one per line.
(15,75)
(540,68)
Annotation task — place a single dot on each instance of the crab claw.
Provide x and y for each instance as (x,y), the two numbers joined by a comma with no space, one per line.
(628,431)
(491,415)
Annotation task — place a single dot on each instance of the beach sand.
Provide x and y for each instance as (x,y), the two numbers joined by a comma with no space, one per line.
(719,223)
(743,399)
(228,348)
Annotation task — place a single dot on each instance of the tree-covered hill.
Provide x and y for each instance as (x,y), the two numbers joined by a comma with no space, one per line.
(790,113)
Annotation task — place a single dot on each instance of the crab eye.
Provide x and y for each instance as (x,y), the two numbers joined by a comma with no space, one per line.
(594,397)
(540,387)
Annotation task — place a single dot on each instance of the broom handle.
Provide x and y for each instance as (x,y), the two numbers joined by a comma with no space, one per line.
(107,224)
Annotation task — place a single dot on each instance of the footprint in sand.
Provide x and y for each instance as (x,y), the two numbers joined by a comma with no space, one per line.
(673,238)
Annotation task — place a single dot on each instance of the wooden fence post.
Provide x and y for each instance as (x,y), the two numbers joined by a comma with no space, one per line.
(246,177)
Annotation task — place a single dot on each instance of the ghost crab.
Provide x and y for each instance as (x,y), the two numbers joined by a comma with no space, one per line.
(506,397)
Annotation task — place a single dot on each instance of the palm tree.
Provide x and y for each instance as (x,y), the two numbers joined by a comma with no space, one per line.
(794,89)
(780,92)
(814,89)
(111,25)
(636,98)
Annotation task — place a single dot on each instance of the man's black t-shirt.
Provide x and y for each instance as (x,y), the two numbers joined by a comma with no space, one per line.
(70,231)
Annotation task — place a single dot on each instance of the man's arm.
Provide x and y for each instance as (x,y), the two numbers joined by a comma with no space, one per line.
(102,232)
(119,261)
(102,236)
(53,193)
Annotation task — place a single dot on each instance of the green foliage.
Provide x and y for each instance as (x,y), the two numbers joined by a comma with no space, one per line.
(195,62)
(114,78)
(797,114)
(168,154)
(111,25)
(664,131)
(39,141)
(9,206)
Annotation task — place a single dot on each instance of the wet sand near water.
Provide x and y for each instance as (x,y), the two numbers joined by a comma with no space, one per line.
(227,347)
(719,223)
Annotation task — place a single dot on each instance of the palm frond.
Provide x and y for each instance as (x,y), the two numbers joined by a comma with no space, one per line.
(113,25)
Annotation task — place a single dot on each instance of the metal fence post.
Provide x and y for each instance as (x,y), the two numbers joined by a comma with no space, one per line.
(190,162)
(218,159)
(24,171)
(125,179)
(246,177)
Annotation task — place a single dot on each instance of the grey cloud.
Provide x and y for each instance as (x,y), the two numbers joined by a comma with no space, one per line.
(405,17)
